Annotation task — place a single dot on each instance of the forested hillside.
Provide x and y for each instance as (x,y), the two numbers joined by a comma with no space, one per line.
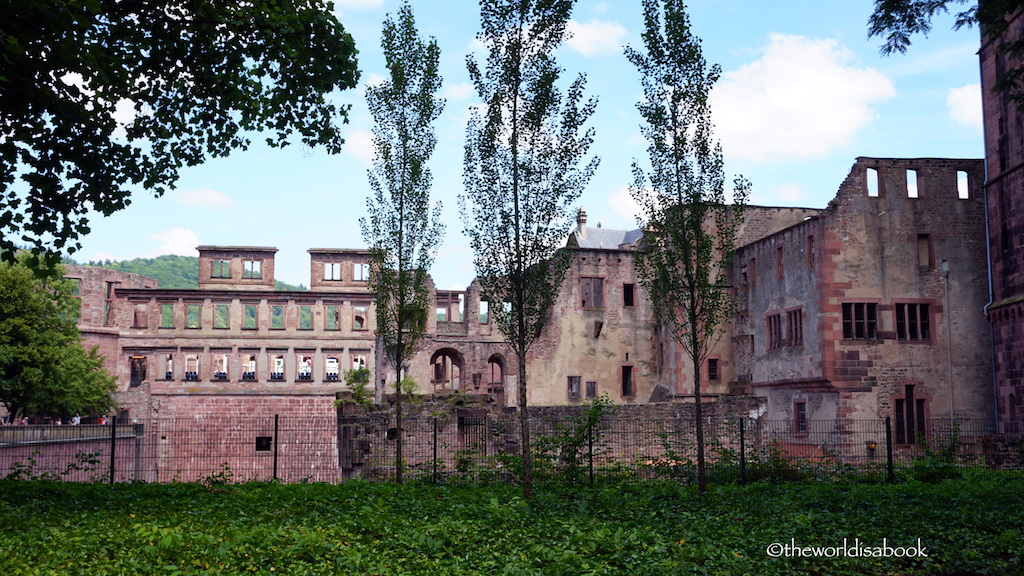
(172,271)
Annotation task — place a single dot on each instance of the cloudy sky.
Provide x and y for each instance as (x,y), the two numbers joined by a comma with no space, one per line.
(803,93)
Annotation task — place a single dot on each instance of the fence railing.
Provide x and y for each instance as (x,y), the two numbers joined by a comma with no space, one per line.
(335,449)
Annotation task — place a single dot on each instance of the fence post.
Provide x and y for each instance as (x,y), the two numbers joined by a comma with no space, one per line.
(590,454)
(275,446)
(113,445)
(435,450)
(890,472)
(743,454)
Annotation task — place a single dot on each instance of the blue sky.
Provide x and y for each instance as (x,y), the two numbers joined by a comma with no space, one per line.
(803,93)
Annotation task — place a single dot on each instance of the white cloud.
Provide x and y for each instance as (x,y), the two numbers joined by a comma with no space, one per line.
(204,198)
(177,240)
(460,91)
(802,98)
(359,145)
(596,37)
(789,192)
(964,105)
(376,80)
(623,204)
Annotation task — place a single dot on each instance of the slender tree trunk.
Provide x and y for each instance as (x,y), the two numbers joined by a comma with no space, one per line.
(524,431)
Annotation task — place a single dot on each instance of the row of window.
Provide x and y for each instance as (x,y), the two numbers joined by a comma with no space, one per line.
(792,335)
(860,322)
(908,425)
(193,363)
(250,316)
(576,391)
(592,293)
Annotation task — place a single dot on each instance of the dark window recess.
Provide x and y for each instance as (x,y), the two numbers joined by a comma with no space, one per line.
(264,443)
(775,331)
(138,371)
(913,322)
(795,325)
(910,418)
(592,292)
(627,381)
(800,418)
(713,374)
(628,294)
(574,387)
(860,321)
(591,389)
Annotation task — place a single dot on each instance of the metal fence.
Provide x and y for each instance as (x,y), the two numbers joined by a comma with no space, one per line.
(481,449)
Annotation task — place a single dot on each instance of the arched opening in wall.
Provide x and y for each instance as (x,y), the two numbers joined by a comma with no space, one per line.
(446,370)
(495,373)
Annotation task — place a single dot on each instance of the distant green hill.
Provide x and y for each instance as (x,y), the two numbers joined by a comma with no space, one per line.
(172,271)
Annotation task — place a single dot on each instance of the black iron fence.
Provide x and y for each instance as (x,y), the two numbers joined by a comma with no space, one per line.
(487,448)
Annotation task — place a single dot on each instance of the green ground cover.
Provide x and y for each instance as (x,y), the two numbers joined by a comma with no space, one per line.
(967,526)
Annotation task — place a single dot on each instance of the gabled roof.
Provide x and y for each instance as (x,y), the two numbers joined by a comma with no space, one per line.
(605,238)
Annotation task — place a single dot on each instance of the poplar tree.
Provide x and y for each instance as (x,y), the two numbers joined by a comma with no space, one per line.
(403,230)
(689,230)
(525,165)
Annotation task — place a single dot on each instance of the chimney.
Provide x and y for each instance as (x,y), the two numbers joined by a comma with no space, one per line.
(581,223)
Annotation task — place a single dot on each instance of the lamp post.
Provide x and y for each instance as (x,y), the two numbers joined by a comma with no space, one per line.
(944,267)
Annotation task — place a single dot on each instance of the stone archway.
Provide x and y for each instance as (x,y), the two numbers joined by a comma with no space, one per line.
(495,376)
(446,367)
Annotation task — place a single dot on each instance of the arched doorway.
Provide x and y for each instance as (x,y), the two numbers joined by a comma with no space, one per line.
(495,373)
(446,370)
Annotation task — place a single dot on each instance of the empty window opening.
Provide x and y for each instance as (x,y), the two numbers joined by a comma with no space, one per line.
(264,443)
(795,327)
(221,269)
(910,417)
(359,362)
(305,317)
(277,367)
(192,367)
(574,388)
(220,316)
(913,322)
(779,271)
(592,290)
(800,417)
(963,189)
(359,318)
(628,295)
(484,312)
(108,305)
(333,318)
(252,269)
(140,316)
(714,374)
(76,286)
(332,270)
(361,272)
(495,373)
(627,382)
(305,372)
(446,371)
(220,367)
(249,317)
(810,251)
(138,371)
(192,316)
(277,317)
(248,367)
(872,179)
(775,331)
(591,389)
(332,369)
(168,367)
(860,321)
(912,184)
(924,251)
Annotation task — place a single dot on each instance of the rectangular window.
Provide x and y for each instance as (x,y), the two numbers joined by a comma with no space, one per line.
(333,318)
(484,312)
(795,327)
(140,316)
(305,370)
(810,251)
(76,286)
(359,318)
(775,331)
(591,389)
(913,322)
(627,382)
(167,315)
(713,370)
(168,366)
(108,305)
(574,388)
(248,367)
(628,295)
(332,270)
(192,316)
(332,368)
(872,182)
(800,417)
(252,269)
(860,321)
(277,367)
(220,368)
(963,190)
(221,269)
(277,317)
(361,273)
(924,250)
(911,183)
(305,317)
(778,262)
(910,417)
(192,367)
(442,313)
(138,371)
(592,292)
(220,316)
(249,317)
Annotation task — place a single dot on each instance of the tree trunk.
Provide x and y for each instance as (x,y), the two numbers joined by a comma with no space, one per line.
(524,432)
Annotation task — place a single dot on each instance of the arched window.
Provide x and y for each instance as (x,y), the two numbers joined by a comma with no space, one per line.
(446,370)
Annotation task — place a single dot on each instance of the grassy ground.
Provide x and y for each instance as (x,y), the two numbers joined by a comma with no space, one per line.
(968,526)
